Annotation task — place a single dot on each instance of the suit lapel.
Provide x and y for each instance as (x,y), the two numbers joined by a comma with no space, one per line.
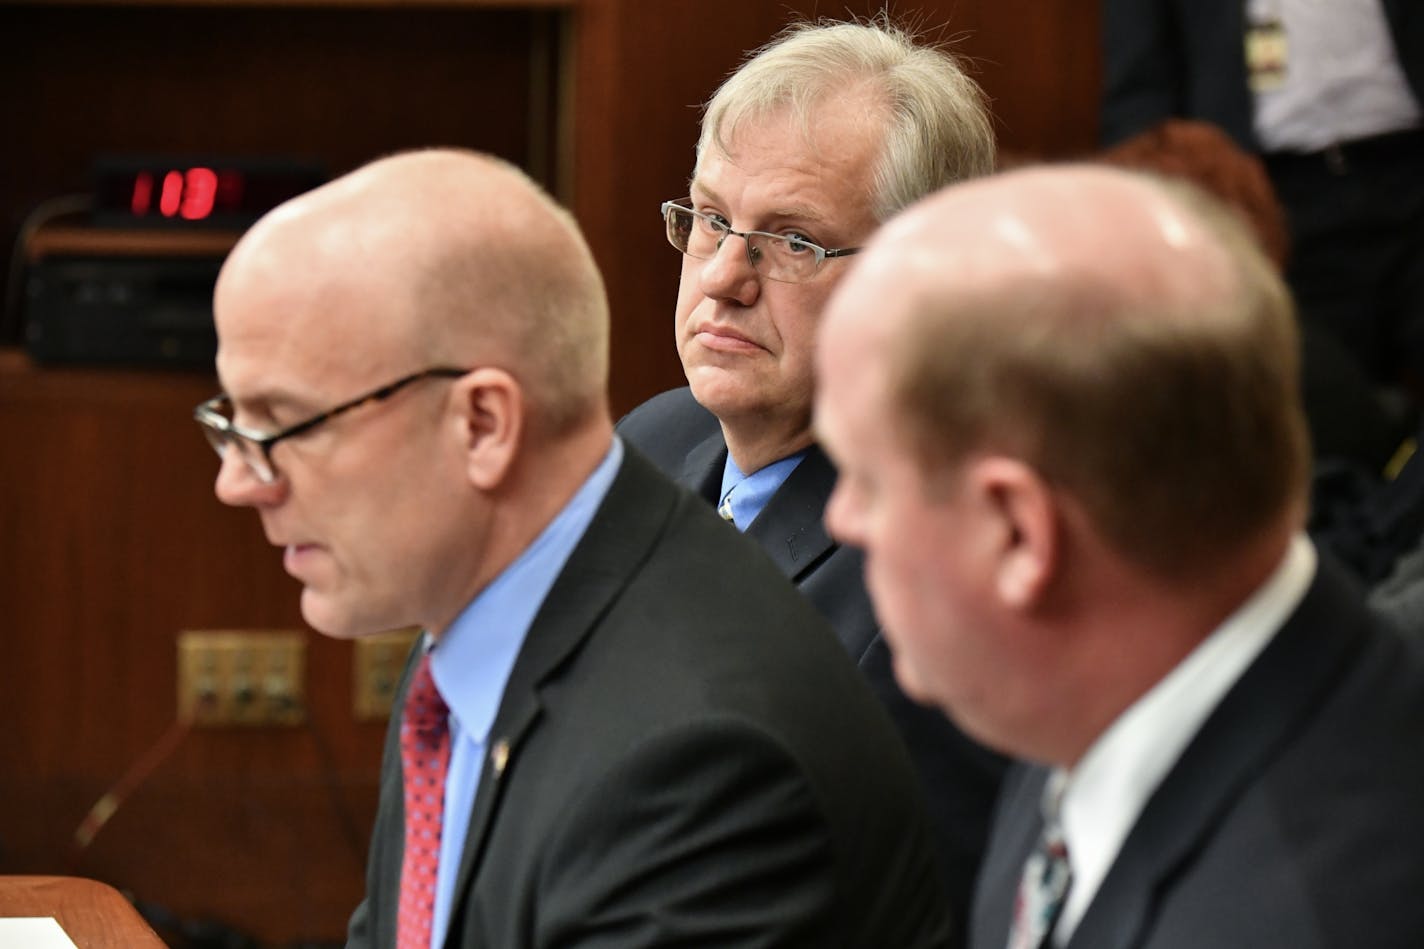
(790,527)
(1018,823)
(702,468)
(1260,713)
(627,524)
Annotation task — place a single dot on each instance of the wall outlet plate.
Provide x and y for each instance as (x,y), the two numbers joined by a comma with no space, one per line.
(241,677)
(376,668)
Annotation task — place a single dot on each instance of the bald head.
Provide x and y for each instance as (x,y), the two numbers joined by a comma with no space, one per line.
(418,353)
(1081,229)
(1122,335)
(437,257)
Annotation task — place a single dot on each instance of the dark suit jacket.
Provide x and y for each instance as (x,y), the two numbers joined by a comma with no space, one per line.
(960,777)
(692,761)
(1294,818)
(1399,598)
(1186,58)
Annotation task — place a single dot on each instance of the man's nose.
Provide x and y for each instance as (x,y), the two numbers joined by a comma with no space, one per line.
(729,275)
(238,485)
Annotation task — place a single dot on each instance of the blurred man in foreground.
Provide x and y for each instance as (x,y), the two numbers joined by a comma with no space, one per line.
(1065,409)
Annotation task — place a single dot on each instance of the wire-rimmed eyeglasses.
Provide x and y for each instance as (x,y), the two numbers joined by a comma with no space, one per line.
(255,448)
(780,257)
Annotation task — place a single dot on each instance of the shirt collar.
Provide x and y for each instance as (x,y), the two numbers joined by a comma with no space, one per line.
(471,662)
(1103,796)
(752,492)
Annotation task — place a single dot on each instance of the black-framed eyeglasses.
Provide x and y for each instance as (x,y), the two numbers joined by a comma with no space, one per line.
(782,257)
(255,448)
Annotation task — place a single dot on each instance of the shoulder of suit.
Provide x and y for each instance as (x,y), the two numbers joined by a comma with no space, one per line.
(673,410)
(668,425)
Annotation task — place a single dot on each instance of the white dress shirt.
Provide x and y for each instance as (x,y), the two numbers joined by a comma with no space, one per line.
(1104,794)
(1342,79)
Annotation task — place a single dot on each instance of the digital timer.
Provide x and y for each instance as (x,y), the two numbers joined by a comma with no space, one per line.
(218,192)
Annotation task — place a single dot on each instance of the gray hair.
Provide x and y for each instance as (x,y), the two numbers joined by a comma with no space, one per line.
(938,129)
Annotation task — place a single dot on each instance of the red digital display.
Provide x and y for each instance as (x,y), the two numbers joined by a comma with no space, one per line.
(192,194)
(200,192)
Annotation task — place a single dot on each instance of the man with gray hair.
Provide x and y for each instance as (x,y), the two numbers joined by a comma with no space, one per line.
(815,140)
(1065,407)
(621,727)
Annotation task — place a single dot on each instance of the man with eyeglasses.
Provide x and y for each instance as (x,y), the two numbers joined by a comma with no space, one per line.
(814,141)
(620,727)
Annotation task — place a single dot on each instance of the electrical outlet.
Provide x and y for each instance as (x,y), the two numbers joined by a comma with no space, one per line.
(376,667)
(241,677)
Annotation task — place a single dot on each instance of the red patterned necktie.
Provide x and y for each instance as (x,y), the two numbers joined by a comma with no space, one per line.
(425,756)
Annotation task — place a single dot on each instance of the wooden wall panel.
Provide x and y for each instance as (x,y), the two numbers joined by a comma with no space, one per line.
(111,538)
(1038,61)
(113,544)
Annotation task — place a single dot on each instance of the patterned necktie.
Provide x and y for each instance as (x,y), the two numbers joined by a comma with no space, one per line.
(1043,887)
(425,756)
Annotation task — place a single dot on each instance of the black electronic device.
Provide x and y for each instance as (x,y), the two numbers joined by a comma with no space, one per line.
(132,283)
(130,311)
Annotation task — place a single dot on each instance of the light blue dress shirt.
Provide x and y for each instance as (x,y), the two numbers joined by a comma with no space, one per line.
(472,661)
(750,493)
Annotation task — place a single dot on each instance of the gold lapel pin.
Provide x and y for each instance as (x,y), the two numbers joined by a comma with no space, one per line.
(499,757)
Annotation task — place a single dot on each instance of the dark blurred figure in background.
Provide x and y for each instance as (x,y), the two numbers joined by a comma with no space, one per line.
(1328,94)
(1358,516)
(1400,596)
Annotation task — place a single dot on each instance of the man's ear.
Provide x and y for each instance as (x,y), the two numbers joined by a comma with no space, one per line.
(1026,537)
(491,410)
